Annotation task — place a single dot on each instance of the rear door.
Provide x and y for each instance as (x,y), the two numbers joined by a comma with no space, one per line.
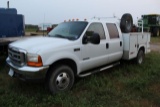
(114,44)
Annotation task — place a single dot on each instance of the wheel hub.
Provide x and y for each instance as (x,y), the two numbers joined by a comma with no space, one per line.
(62,81)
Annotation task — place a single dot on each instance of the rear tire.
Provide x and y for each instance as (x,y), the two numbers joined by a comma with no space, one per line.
(140,57)
(126,23)
(60,79)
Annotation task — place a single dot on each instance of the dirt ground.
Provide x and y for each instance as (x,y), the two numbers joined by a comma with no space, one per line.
(155,47)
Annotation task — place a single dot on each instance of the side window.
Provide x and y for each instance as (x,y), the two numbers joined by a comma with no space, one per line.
(113,31)
(96,28)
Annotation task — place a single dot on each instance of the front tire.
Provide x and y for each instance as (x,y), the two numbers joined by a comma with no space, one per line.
(140,57)
(60,79)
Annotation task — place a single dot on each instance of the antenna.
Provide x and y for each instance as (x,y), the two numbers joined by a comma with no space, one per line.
(43,23)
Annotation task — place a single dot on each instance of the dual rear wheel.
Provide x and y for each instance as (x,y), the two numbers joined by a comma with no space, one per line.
(140,57)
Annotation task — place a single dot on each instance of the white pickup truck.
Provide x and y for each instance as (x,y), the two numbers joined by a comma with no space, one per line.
(77,48)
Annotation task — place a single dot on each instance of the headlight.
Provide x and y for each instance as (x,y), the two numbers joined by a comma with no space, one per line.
(34,60)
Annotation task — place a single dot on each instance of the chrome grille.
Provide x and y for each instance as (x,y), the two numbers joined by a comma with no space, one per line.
(16,56)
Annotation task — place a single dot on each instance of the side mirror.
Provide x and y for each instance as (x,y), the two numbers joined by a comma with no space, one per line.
(85,39)
(95,38)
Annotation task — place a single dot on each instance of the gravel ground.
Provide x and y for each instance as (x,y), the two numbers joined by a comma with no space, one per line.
(155,47)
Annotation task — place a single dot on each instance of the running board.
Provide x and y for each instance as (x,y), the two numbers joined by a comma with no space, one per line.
(98,70)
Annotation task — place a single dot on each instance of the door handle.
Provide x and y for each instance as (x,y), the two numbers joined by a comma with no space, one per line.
(120,43)
(107,45)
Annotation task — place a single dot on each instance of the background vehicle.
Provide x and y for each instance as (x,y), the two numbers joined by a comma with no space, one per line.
(12,26)
(44,26)
(151,23)
(78,48)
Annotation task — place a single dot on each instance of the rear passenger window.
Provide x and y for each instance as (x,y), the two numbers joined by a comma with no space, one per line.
(113,31)
(96,28)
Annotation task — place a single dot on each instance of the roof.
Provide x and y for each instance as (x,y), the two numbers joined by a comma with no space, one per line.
(8,11)
(104,19)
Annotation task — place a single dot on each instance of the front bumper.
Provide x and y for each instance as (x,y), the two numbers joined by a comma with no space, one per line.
(28,73)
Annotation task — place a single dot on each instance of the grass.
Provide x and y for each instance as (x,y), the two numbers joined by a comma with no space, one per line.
(33,32)
(30,29)
(155,40)
(125,85)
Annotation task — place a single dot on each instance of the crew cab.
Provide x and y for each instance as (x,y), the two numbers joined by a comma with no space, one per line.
(77,48)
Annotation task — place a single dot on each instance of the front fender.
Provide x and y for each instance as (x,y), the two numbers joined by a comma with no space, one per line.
(50,59)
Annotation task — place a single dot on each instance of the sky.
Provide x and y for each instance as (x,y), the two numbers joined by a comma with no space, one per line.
(56,11)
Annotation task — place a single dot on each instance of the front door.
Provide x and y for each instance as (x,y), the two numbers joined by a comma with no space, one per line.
(94,55)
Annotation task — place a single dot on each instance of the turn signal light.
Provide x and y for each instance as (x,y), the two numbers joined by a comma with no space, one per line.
(35,64)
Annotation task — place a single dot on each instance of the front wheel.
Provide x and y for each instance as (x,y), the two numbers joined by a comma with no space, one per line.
(60,79)
(140,57)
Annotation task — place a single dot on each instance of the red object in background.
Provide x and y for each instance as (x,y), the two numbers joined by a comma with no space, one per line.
(134,28)
(49,29)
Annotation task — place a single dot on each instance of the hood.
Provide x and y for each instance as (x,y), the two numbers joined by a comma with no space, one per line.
(35,44)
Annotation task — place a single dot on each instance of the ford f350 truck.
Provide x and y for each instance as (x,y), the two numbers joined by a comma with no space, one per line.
(78,48)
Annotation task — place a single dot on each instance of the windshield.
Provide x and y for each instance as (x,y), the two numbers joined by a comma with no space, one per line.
(68,30)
